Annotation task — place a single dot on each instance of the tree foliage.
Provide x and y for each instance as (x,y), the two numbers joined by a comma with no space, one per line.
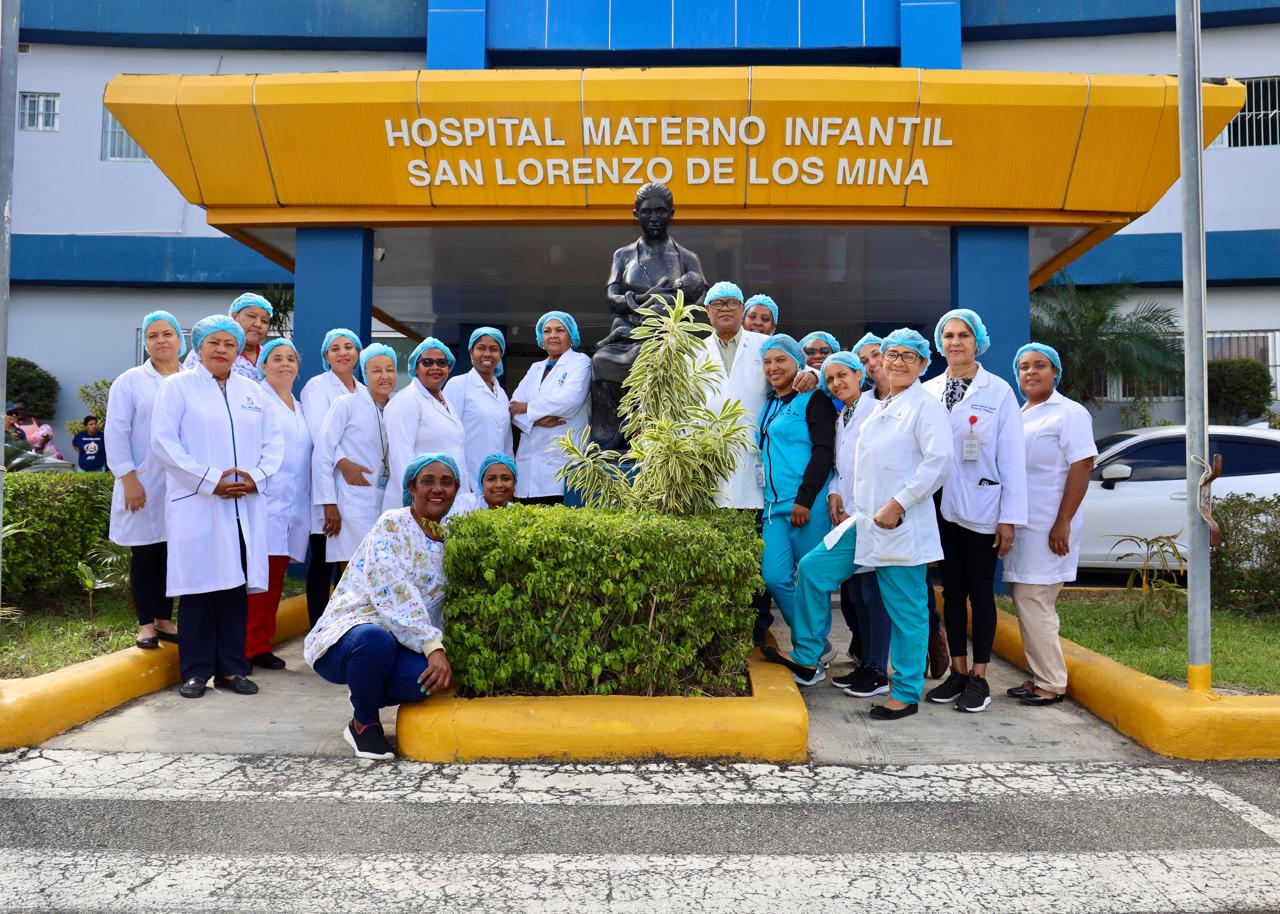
(94,397)
(1239,389)
(28,382)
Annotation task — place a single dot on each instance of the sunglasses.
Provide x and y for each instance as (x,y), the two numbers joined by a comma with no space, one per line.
(823,351)
(434,363)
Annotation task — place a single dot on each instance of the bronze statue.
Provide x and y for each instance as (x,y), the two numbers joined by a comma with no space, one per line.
(645,273)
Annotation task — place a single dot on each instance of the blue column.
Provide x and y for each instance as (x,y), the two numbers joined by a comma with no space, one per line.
(333,287)
(456,38)
(930,33)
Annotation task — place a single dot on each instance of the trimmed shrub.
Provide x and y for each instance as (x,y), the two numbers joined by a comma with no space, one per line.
(1238,389)
(563,601)
(1245,570)
(30,383)
(62,516)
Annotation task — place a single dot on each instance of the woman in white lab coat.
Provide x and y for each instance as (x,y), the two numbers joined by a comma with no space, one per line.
(551,401)
(137,500)
(351,463)
(1060,454)
(340,355)
(983,500)
(253,313)
(220,444)
(478,398)
(288,499)
(420,419)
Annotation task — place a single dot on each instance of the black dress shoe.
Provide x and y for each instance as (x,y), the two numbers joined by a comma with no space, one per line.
(241,685)
(171,637)
(1018,691)
(267,661)
(192,688)
(1034,700)
(880,712)
(147,644)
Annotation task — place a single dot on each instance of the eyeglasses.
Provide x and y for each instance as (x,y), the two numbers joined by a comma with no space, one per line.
(724,304)
(907,358)
(434,363)
(824,351)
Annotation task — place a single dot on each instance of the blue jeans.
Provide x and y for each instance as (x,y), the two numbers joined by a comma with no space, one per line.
(379,670)
(784,547)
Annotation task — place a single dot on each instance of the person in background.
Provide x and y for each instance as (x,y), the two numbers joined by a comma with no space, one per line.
(382,634)
(552,400)
(91,455)
(818,346)
(480,402)
(1060,454)
(420,419)
(219,444)
(340,354)
(12,434)
(253,313)
(761,315)
(39,434)
(138,495)
(288,499)
(983,500)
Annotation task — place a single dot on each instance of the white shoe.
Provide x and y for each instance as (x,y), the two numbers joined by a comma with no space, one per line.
(828,655)
(819,674)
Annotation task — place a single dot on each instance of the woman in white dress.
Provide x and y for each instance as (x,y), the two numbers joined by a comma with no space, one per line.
(479,400)
(420,419)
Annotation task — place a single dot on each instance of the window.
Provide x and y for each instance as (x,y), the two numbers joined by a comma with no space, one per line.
(1246,456)
(1258,123)
(1153,461)
(1115,438)
(1260,345)
(38,111)
(117,145)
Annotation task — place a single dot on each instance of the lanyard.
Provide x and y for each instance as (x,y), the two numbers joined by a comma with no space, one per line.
(772,414)
(382,434)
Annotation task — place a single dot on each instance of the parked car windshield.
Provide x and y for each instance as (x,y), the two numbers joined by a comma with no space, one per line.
(1111,440)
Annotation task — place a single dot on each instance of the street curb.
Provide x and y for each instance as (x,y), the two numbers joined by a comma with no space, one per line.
(771,725)
(1168,719)
(39,707)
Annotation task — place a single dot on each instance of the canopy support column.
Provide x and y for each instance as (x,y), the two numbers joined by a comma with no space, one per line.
(333,287)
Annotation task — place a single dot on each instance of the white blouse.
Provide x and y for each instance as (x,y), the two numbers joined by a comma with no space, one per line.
(485,416)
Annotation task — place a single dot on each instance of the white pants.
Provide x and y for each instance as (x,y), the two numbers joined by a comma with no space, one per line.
(1038,621)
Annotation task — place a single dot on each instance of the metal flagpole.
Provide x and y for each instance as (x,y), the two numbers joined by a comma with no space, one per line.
(8,124)
(1191,150)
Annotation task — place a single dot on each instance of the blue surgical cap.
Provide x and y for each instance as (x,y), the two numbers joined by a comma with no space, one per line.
(820,335)
(868,339)
(497,457)
(721,290)
(767,302)
(250,300)
(784,343)
(212,324)
(498,338)
(333,335)
(376,349)
(910,339)
(266,351)
(429,343)
(839,358)
(975,323)
(415,467)
(1048,351)
(563,317)
(165,316)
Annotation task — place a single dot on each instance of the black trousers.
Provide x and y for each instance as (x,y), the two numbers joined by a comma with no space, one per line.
(148,576)
(848,609)
(320,576)
(762,602)
(542,500)
(968,580)
(211,628)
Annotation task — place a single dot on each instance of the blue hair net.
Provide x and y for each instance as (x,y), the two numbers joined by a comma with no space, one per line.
(1047,351)
(250,300)
(266,351)
(910,339)
(212,324)
(563,317)
(497,457)
(840,358)
(333,335)
(498,338)
(721,290)
(820,335)
(429,343)
(415,467)
(376,349)
(767,302)
(980,336)
(165,316)
(867,340)
(784,343)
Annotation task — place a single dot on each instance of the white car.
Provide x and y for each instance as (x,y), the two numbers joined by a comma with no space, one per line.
(1138,485)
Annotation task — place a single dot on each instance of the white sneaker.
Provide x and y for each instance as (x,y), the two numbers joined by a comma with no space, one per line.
(819,674)
(828,655)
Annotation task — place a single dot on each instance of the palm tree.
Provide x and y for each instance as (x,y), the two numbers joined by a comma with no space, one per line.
(1095,335)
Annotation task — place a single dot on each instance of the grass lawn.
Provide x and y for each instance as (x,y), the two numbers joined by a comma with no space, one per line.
(1246,648)
(49,637)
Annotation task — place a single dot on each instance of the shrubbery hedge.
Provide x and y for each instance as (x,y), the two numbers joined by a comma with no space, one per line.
(63,516)
(561,601)
(1245,569)
(28,382)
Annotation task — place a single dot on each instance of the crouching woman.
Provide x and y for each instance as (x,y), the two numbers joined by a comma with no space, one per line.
(382,632)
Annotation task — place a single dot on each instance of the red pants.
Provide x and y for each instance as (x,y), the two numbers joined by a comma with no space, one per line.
(261,626)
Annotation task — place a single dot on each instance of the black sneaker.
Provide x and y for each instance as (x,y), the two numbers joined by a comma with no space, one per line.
(976,697)
(843,682)
(369,743)
(869,682)
(952,688)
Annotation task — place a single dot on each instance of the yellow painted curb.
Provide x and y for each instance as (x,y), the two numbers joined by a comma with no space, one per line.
(1165,718)
(39,707)
(771,725)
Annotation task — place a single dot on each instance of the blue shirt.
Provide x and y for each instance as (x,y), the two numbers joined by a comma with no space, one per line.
(91,450)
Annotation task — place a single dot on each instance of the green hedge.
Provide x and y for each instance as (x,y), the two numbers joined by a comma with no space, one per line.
(561,601)
(1238,389)
(63,516)
(1245,570)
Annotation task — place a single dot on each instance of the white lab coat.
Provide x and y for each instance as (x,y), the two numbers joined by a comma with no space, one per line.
(418,423)
(317,396)
(289,495)
(846,446)
(743,488)
(1002,456)
(354,430)
(563,393)
(128,441)
(484,415)
(1058,433)
(197,434)
(903,452)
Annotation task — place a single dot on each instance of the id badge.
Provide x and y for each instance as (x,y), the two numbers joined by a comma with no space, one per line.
(759,475)
(969,450)
(383,478)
